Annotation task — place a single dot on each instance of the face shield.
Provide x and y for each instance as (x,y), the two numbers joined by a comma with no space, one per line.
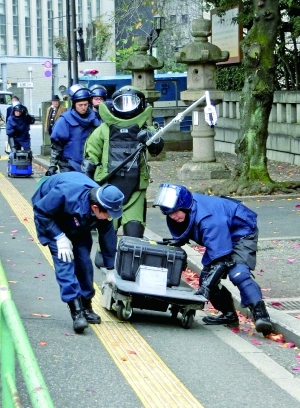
(167,198)
(126,103)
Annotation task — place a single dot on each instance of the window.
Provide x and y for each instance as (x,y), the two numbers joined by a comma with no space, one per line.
(2,28)
(184,19)
(27,27)
(39,30)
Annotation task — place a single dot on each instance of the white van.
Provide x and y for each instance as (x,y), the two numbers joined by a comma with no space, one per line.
(5,101)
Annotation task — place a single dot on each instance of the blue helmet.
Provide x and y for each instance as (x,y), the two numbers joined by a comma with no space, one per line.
(98,90)
(173,197)
(78,93)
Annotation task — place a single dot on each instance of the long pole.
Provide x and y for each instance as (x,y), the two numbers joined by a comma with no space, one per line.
(74,43)
(52,55)
(70,81)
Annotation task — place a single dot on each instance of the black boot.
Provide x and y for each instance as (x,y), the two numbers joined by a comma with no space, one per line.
(221,299)
(99,260)
(79,321)
(88,312)
(261,318)
(229,318)
(134,229)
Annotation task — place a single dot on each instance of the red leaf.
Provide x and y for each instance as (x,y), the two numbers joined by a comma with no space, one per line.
(258,343)
(276,304)
(131,351)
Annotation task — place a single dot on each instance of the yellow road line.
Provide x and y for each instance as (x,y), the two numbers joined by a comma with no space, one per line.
(153,382)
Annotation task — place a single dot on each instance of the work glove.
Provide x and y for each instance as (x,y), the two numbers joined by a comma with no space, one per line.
(64,248)
(144,135)
(173,242)
(88,168)
(51,171)
(110,276)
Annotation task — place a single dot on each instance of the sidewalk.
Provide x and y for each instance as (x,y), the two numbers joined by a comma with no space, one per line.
(166,171)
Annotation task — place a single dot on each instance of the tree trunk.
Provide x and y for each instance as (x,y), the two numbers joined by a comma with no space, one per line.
(251,173)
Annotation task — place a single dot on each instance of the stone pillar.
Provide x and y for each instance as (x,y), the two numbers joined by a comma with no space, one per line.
(201,58)
(142,65)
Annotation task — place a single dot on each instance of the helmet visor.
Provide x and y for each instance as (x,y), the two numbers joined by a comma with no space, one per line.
(126,103)
(166,197)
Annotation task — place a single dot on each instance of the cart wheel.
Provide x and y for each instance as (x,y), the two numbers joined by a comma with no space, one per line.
(174,311)
(124,313)
(187,319)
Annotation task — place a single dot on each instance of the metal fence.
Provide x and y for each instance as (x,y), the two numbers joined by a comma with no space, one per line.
(14,344)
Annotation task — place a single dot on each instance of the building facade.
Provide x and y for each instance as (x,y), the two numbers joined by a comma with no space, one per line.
(27,53)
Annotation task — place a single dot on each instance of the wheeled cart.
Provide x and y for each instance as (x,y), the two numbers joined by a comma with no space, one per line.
(148,277)
(20,164)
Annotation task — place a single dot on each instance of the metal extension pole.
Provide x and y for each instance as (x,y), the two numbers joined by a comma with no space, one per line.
(74,42)
(70,80)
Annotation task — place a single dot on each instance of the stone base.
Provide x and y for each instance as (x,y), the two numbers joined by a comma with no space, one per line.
(203,171)
(45,150)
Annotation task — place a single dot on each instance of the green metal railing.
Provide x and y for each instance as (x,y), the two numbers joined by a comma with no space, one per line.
(14,343)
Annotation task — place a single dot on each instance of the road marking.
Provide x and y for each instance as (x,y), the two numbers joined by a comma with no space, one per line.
(150,378)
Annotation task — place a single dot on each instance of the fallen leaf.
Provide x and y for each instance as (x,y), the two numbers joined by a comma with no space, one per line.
(276,304)
(13,231)
(40,315)
(275,337)
(43,343)
(12,281)
(287,345)
(297,317)
(40,298)
(69,334)
(296,368)
(266,290)
(123,358)
(258,343)
(291,260)
(131,351)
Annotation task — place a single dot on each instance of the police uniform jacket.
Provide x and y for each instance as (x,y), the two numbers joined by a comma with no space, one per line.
(61,204)
(70,133)
(217,223)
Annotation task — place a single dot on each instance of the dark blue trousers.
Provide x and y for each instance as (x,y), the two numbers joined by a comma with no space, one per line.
(75,278)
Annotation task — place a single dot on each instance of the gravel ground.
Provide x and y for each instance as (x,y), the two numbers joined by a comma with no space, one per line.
(166,171)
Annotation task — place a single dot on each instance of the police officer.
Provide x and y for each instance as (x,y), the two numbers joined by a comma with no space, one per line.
(71,131)
(67,206)
(228,230)
(123,130)
(98,95)
(18,128)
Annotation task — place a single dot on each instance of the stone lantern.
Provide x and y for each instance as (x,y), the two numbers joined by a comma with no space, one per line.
(142,65)
(201,57)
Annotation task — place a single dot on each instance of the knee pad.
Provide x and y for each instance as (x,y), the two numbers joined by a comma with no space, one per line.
(250,291)
(239,273)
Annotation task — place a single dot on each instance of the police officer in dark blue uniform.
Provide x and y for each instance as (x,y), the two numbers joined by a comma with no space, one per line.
(67,206)
(228,230)
(98,95)
(70,132)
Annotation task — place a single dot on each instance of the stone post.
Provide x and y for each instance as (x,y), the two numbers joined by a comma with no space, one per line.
(201,57)
(142,65)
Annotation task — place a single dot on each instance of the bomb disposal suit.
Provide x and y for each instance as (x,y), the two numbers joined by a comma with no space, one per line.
(123,130)
(228,231)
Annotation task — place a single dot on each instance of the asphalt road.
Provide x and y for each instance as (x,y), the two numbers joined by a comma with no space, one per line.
(218,367)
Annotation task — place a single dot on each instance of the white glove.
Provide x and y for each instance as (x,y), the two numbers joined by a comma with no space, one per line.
(110,276)
(64,248)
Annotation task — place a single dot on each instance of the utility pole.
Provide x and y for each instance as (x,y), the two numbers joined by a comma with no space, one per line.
(74,42)
(70,80)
